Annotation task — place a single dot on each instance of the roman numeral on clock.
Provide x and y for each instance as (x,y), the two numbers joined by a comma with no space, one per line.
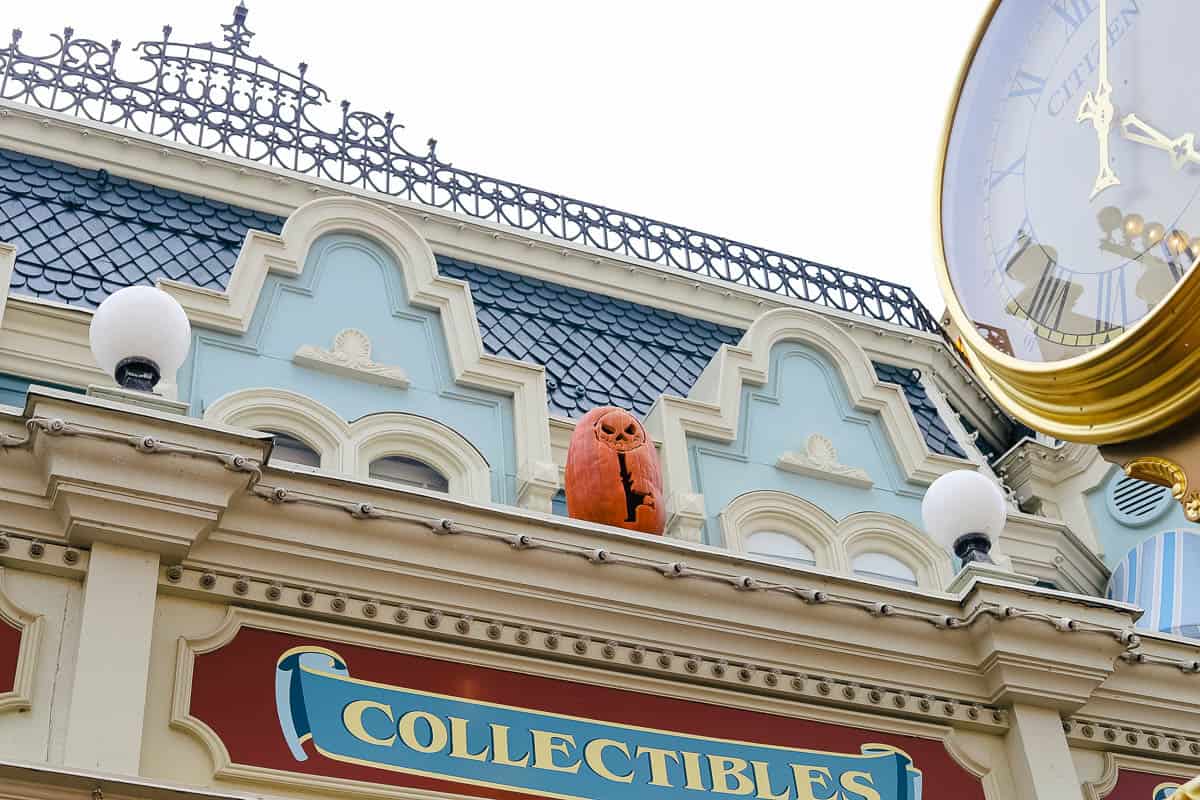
(1026,84)
(1073,12)
(1112,313)
(1016,169)
(1050,296)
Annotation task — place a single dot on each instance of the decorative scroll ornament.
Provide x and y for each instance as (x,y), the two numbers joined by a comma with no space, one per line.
(820,460)
(222,97)
(351,357)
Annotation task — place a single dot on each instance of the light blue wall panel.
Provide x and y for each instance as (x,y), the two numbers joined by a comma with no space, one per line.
(350,282)
(1116,538)
(1162,576)
(805,395)
(13,389)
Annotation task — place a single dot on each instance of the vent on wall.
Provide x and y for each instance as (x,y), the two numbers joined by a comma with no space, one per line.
(1135,502)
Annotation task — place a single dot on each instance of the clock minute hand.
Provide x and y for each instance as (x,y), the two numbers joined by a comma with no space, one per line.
(1098,109)
(1181,149)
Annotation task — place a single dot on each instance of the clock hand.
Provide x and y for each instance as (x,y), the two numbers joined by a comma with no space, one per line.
(1098,109)
(1182,149)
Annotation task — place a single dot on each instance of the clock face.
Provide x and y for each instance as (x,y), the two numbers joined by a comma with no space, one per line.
(1069,199)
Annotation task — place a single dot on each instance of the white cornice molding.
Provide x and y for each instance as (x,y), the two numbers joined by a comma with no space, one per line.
(712,410)
(8,262)
(20,698)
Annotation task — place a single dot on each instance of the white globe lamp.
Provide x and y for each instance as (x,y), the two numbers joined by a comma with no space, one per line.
(965,512)
(138,335)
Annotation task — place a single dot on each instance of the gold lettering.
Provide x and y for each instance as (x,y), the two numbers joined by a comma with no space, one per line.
(658,763)
(723,769)
(352,718)
(807,778)
(500,748)
(691,771)
(593,754)
(762,781)
(546,744)
(851,783)
(459,746)
(408,732)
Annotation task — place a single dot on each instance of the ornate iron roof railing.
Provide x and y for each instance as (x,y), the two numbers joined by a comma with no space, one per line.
(221,97)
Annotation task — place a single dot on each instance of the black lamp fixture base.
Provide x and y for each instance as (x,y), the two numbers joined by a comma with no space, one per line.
(973,548)
(137,374)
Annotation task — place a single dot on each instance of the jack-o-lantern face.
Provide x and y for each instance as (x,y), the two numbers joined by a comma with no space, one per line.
(620,430)
(612,473)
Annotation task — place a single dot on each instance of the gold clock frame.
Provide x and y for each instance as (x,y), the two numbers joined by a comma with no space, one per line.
(1145,380)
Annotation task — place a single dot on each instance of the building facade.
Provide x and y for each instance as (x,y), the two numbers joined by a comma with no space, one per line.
(333,556)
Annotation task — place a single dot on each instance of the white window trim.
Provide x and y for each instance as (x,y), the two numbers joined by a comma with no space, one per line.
(877,532)
(835,543)
(288,412)
(349,448)
(781,512)
(437,445)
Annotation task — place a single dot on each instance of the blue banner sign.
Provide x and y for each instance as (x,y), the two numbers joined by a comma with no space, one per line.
(554,755)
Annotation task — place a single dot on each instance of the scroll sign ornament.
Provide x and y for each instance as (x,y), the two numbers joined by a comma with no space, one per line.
(554,755)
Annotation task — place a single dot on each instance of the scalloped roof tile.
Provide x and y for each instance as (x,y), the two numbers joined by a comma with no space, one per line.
(597,350)
(82,234)
(938,437)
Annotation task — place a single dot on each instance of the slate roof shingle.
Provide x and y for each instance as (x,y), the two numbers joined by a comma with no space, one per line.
(82,234)
(597,350)
(938,437)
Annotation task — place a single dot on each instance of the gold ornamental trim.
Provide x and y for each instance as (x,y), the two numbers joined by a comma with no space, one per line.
(1140,383)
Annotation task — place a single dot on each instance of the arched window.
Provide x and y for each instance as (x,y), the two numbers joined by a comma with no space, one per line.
(780,547)
(293,450)
(408,472)
(881,566)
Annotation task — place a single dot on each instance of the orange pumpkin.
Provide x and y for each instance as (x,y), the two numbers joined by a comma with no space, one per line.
(613,476)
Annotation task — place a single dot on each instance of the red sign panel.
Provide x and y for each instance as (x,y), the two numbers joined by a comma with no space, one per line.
(1145,786)
(243,692)
(10,650)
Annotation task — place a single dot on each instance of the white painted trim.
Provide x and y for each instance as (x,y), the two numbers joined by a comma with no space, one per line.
(876,532)
(471,365)
(441,447)
(767,509)
(270,409)
(835,543)
(20,698)
(348,448)
(8,262)
(713,407)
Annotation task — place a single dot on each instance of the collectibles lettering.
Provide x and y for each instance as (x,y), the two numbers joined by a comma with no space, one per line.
(363,717)
(555,755)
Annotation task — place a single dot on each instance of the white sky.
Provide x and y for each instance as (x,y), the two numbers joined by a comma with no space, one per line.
(808,127)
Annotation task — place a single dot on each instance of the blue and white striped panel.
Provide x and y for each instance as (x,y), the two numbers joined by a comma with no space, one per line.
(1162,575)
